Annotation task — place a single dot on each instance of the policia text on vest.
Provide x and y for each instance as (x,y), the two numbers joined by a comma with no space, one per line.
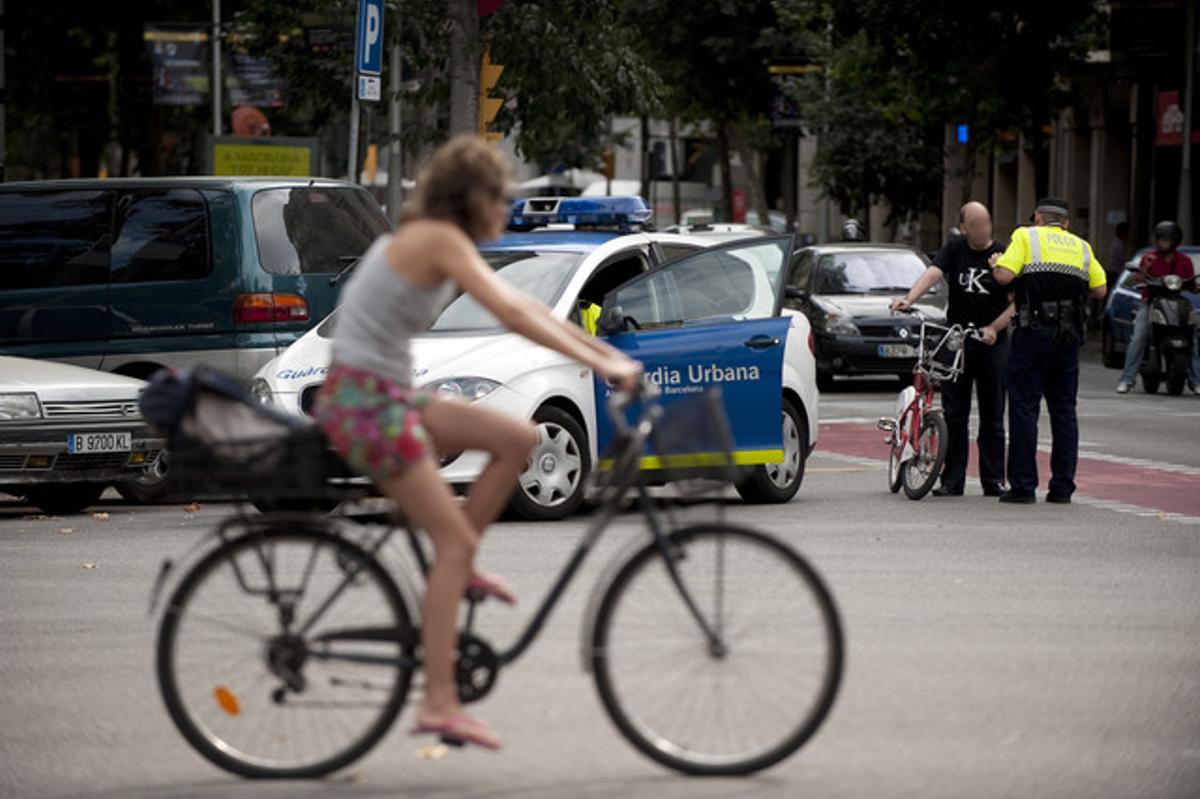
(1051,272)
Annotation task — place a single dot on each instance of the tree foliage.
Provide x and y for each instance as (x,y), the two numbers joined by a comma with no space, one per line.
(895,78)
(569,66)
(713,59)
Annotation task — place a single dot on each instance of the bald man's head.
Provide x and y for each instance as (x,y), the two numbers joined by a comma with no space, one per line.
(976,224)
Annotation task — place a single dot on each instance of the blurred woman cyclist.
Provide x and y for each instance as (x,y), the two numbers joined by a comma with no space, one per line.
(388,430)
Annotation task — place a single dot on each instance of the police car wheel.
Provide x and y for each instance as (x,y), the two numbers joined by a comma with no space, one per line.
(778,482)
(554,482)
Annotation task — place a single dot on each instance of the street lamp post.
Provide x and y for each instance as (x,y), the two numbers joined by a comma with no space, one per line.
(395,191)
(216,57)
(1184,212)
(3,87)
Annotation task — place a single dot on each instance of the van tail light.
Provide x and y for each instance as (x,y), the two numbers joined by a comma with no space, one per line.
(266,307)
(812,344)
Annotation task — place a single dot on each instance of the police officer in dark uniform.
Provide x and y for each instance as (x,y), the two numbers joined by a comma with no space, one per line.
(1052,273)
(975,298)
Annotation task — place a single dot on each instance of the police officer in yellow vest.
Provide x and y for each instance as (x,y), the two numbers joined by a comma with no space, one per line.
(1052,273)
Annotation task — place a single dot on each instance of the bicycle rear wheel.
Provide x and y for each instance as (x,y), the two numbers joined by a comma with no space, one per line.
(255,692)
(895,467)
(727,710)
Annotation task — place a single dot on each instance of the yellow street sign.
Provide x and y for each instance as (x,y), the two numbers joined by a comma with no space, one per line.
(489,76)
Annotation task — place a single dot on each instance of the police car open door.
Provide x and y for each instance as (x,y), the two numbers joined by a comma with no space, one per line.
(709,319)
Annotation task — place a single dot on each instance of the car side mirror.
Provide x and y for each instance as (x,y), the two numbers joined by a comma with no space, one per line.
(612,320)
(794,293)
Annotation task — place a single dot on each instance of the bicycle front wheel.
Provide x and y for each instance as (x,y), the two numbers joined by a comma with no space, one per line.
(923,469)
(742,700)
(286,653)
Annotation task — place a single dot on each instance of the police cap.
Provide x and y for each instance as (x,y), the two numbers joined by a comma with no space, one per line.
(1051,205)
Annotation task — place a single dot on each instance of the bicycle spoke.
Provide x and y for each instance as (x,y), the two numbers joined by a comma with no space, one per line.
(261,703)
(693,706)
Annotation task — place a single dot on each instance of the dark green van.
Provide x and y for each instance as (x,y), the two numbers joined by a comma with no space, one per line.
(130,275)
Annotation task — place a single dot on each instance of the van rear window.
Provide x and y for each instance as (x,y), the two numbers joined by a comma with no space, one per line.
(54,238)
(314,230)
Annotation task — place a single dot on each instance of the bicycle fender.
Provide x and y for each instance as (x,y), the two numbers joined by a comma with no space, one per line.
(169,565)
(167,568)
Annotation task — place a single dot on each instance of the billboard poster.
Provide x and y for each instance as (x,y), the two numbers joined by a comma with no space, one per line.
(179,59)
(253,81)
(244,156)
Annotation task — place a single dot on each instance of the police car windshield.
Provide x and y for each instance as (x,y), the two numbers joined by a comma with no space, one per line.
(867,272)
(542,275)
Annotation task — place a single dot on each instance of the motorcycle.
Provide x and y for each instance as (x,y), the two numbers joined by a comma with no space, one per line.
(1172,335)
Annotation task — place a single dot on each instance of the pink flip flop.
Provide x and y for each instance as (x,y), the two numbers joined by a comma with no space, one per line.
(458,730)
(484,585)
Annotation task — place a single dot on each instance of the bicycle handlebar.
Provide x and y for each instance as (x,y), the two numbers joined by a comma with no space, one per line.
(618,401)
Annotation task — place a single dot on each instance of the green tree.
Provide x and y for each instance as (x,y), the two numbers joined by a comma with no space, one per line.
(569,67)
(896,77)
(713,59)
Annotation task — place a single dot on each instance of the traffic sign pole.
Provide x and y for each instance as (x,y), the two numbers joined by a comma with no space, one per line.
(352,160)
(368,66)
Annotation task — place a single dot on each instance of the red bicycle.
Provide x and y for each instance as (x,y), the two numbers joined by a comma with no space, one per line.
(917,433)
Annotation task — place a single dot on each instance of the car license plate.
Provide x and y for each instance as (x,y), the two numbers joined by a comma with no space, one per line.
(897,351)
(80,443)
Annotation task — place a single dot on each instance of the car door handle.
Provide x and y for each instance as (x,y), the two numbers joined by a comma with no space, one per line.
(761,342)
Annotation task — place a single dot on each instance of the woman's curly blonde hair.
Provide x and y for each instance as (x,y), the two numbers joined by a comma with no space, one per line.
(458,182)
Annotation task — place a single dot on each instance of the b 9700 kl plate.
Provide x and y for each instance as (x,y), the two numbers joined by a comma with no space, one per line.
(82,443)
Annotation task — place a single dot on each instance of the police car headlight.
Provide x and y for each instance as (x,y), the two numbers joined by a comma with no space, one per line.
(14,407)
(260,391)
(840,325)
(471,389)
(1173,282)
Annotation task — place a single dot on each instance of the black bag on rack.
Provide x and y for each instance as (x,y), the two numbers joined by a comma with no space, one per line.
(222,441)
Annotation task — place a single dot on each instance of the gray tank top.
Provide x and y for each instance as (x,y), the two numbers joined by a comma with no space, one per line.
(380,311)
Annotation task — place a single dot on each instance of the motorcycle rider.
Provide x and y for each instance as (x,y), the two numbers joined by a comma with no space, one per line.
(1164,260)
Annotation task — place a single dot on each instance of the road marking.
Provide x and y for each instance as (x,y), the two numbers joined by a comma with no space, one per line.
(1137,486)
(836,469)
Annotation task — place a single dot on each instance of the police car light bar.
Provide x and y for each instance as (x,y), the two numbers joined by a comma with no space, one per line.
(621,212)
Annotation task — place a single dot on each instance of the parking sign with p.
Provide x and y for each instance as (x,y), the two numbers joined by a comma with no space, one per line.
(368,52)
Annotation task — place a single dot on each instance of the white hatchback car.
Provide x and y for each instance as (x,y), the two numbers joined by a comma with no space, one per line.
(67,433)
(696,315)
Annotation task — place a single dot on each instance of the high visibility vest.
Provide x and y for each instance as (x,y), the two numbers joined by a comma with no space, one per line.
(589,317)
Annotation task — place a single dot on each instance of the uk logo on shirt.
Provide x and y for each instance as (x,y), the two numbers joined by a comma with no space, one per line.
(972,281)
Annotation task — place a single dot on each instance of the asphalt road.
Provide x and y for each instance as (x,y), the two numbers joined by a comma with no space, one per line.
(1048,651)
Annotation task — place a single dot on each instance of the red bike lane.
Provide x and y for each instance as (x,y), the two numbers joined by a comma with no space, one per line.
(1139,484)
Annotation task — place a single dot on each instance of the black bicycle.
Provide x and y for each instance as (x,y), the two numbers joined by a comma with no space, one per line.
(288,650)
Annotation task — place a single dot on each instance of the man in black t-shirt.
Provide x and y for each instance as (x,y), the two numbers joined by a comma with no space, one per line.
(975,298)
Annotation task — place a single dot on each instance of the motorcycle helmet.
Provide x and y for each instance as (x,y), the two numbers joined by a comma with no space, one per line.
(1168,230)
(852,230)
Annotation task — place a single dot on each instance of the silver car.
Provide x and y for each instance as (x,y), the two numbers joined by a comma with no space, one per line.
(67,433)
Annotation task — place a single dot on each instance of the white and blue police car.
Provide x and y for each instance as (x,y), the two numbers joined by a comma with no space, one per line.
(696,312)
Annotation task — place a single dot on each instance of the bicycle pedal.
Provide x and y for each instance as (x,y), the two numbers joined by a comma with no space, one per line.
(457,743)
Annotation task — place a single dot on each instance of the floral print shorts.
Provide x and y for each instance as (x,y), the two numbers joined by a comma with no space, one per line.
(374,423)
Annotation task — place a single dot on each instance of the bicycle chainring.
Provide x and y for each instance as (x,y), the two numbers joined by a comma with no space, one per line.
(476,669)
